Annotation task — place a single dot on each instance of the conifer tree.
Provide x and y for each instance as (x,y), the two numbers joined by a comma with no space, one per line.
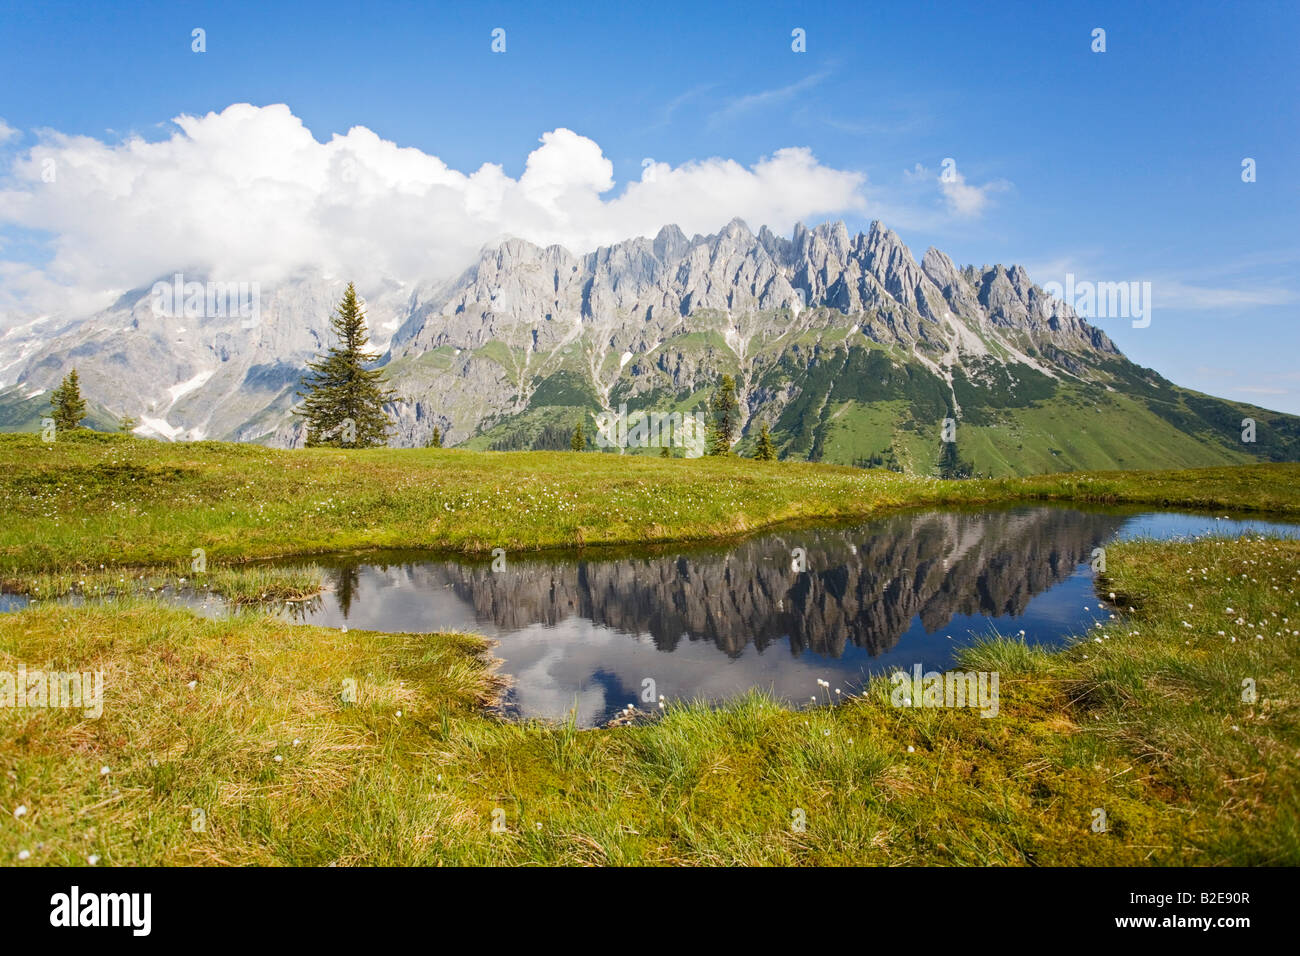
(764,451)
(68,405)
(951,465)
(579,441)
(343,401)
(126,424)
(724,407)
(435,440)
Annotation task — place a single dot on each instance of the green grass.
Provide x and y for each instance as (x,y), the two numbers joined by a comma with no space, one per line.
(91,499)
(239,585)
(1143,719)
(1111,430)
(855,430)
(1079,426)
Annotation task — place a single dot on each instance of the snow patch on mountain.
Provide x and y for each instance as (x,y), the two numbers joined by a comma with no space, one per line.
(190,385)
(157,427)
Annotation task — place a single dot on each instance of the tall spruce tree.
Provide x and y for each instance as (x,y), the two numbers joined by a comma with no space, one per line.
(69,408)
(343,403)
(579,441)
(435,440)
(764,450)
(724,406)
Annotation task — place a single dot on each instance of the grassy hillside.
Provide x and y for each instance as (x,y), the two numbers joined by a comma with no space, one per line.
(859,404)
(832,395)
(90,499)
(839,401)
(18,413)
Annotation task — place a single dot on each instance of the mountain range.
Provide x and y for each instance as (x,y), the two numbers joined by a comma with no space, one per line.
(849,349)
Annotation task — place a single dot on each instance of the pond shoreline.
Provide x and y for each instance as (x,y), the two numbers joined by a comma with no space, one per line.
(244,717)
(1246,509)
(103,500)
(580,630)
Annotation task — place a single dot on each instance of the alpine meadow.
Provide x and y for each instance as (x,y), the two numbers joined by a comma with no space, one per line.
(651,437)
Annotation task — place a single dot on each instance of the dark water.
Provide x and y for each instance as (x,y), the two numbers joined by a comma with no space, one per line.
(712,622)
(586,632)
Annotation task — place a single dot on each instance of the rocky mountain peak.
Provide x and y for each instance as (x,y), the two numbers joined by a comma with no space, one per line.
(942,271)
(738,230)
(670,244)
(474,346)
(836,236)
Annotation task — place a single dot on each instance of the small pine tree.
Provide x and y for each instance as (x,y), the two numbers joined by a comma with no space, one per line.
(69,408)
(724,407)
(579,441)
(435,440)
(764,451)
(126,424)
(343,404)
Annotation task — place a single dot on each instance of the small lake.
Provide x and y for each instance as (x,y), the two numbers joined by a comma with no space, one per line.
(713,622)
(587,630)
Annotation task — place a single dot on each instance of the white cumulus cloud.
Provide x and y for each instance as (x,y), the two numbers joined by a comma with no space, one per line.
(250,194)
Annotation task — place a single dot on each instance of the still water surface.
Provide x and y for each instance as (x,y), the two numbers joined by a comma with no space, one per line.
(712,622)
(587,630)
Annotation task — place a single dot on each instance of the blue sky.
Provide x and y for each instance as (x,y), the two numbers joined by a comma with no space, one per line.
(1116,166)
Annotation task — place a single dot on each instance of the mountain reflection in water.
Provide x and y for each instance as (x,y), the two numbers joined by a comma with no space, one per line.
(713,622)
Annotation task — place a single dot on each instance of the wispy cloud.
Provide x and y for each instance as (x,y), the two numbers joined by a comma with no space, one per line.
(766,99)
(865,127)
(1230,286)
(1174,293)
(676,103)
(1265,382)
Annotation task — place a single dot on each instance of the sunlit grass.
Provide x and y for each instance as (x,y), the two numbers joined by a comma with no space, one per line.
(88,499)
(1142,718)
(238,585)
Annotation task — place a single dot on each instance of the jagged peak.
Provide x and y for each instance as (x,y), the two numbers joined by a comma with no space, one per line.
(831,226)
(878,233)
(835,236)
(737,229)
(513,245)
(670,232)
(669,244)
(939,267)
(939,257)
